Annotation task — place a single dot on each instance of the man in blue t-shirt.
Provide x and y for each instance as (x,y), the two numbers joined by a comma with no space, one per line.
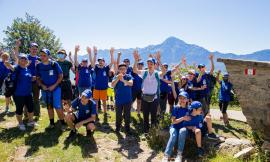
(49,76)
(102,78)
(82,112)
(33,60)
(203,80)
(122,84)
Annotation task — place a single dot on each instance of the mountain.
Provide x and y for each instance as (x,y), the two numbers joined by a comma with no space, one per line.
(172,50)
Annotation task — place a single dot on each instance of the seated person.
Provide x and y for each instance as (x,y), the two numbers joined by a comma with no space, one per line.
(179,115)
(82,112)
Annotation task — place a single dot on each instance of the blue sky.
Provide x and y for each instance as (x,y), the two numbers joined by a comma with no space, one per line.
(238,26)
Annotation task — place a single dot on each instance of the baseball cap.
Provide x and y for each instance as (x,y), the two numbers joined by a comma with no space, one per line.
(151,60)
(201,65)
(101,58)
(195,105)
(87,93)
(46,51)
(33,44)
(184,94)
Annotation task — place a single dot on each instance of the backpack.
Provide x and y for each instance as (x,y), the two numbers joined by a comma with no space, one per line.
(11,82)
(157,78)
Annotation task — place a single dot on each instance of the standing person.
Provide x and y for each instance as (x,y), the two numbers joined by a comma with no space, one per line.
(33,60)
(84,71)
(82,112)
(203,81)
(137,88)
(4,71)
(66,88)
(49,77)
(150,90)
(224,94)
(102,79)
(23,92)
(122,84)
(125,61)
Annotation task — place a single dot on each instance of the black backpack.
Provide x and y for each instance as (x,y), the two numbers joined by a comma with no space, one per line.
(11,82)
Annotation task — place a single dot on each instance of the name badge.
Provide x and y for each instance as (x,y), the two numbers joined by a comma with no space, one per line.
(104,73)
(51,72)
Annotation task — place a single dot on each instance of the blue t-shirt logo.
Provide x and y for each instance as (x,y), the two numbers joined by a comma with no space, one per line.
(104,73)
(87,111)
(51,72)
(86,71)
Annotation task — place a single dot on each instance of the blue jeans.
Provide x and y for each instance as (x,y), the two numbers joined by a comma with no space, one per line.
(174,134)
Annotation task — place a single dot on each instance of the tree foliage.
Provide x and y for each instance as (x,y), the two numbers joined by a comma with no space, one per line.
(28,30)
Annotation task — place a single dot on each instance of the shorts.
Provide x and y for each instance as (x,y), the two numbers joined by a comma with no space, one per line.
(204,131)
(223,105)
(77,120)
(136,95)
(52,98)
(100,94)
(21,101)
(66,90)
(81,89)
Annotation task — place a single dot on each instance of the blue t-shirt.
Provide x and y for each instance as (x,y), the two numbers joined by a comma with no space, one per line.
(196,121)
(191,93)
(205,80)
(129,70)
(84,111)
(23,78)
(225,91)
(123,94)
(32,65)
(179,112)
(137,82)
(3,71)
(85,78)
(164,87)
(48,73)
(102,77)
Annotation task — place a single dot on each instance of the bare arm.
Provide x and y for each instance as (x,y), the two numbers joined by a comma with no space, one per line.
(88,49)
(173,90)
(77,48)
(118,60)
(136,59)
(211,57)
(112,58)
(95,57)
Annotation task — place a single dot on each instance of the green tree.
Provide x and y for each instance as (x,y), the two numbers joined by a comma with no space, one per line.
(28,30)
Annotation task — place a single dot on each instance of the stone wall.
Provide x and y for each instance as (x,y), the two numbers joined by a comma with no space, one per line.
(251,81)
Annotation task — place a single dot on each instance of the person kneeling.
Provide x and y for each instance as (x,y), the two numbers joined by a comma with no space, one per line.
(82,112)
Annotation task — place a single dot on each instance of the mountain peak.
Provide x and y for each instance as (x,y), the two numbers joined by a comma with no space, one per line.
(173,40)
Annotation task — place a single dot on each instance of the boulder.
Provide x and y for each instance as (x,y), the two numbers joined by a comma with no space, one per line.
(245,152)
(231,146)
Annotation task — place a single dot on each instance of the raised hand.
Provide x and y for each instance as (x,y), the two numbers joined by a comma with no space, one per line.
(119,53)
(88,49)
(18,43)
(158,55)
(184,60)
(95,50)
(211,56)
(77,48)
(69,54)
(136,55)
(112,51)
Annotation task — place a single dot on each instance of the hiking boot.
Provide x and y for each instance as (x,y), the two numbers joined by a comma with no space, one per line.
(212,136)
(22,127)
(200,152)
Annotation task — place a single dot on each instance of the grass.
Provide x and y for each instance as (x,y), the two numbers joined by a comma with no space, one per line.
(43,144)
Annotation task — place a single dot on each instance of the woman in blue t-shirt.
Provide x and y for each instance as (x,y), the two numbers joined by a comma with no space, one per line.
(23,92)
(179,115)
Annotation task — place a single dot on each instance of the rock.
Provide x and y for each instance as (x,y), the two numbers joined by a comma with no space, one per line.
(244,153)
(251,83)
(266,146)
(232,146)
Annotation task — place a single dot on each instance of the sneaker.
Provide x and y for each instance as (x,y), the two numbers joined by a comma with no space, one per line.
(7,110)
(178,158)
(63,127)
(200,152)
(165,158)
(22,127)
(51,126)
(72,133)
(31,124)
(212,136)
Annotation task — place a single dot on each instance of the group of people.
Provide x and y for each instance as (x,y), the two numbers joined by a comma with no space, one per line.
(153,87)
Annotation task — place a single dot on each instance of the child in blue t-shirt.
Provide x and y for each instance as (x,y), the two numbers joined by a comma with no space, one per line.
(82,112)
(177,130)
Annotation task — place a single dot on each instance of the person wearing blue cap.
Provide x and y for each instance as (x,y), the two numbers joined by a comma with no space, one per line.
(85,70)
(102,78)
(122,84)
(177,130)
(126,61)
(199,126)
(150,90)
(204,81)
(225,96)
(82,112)
(49,76)
(33,60)
(22,94)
